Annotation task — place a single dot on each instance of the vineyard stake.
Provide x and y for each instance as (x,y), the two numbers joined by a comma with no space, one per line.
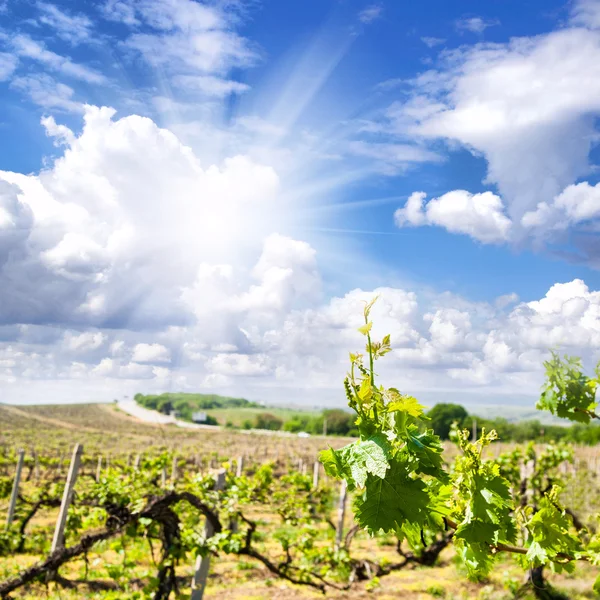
(15,490)
(174,469)
(203,562)
(163,477)
(99,469)
(316,467)
(136,464)
(240,466)
(339,533)
(59,532)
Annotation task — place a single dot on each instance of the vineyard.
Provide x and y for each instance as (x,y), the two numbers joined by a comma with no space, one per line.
(100,505)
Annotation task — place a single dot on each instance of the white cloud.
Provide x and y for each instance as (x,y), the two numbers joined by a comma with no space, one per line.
(72,28)
(392,158)
(128,202)
(26,47)
(528,107)
(210,85)
(151,258)
(370,14)
(431,42)
(475,24)
(151,353)
(586,13)
(122,11)
(8,64)
(480,216)
(195,43)
(575,204)
(83,342)
(236,365)
(47,92)
(61,134)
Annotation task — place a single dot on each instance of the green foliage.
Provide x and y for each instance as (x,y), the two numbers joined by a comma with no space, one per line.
(396,470)
(268,421)
(568,392)
(186,404)
(441,417)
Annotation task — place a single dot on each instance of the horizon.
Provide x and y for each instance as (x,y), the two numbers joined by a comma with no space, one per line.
(202,195)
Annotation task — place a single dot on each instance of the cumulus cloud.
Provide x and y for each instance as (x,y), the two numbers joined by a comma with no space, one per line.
(575,204)
(586,13)
(481,216)
(528,107)
(151,353)
(127,202)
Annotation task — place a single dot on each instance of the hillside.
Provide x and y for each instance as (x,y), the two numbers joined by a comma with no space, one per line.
(104,429)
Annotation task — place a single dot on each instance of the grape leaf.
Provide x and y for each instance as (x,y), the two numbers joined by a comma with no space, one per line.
(406,404)
(387,503)
(356,461)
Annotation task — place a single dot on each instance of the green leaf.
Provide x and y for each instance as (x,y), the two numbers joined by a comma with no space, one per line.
(356,461)
(406,404)
(477,531)
(387,503)
(366,328)
(536,555)
(365,392)
(428,448)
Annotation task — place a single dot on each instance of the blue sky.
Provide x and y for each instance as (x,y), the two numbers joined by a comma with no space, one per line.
(199,195)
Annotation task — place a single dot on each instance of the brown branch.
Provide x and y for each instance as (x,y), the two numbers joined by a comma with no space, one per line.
(54,561)
(248,550)
(156,509)
(46,502)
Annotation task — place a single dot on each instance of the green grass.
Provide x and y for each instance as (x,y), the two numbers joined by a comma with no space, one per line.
(237,416)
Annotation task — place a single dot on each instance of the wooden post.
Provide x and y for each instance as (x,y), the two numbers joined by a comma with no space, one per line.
(15,489)
(203,562)
(59,533)
(240,466)
(474,430)
(136,463)
(99,468)
(174,469)
(339,534)
(163,477)
(316,468)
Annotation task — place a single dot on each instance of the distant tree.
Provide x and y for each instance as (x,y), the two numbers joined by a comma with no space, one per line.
(268,421)
(339,422)
(443,415)
(247,424)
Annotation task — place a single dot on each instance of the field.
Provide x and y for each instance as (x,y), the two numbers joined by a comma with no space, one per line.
(237,416)
(296,524)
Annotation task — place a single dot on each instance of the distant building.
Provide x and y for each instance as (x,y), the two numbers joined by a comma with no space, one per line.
(199,417)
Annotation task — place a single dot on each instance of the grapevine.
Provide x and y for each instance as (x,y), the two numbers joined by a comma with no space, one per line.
(396,468)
